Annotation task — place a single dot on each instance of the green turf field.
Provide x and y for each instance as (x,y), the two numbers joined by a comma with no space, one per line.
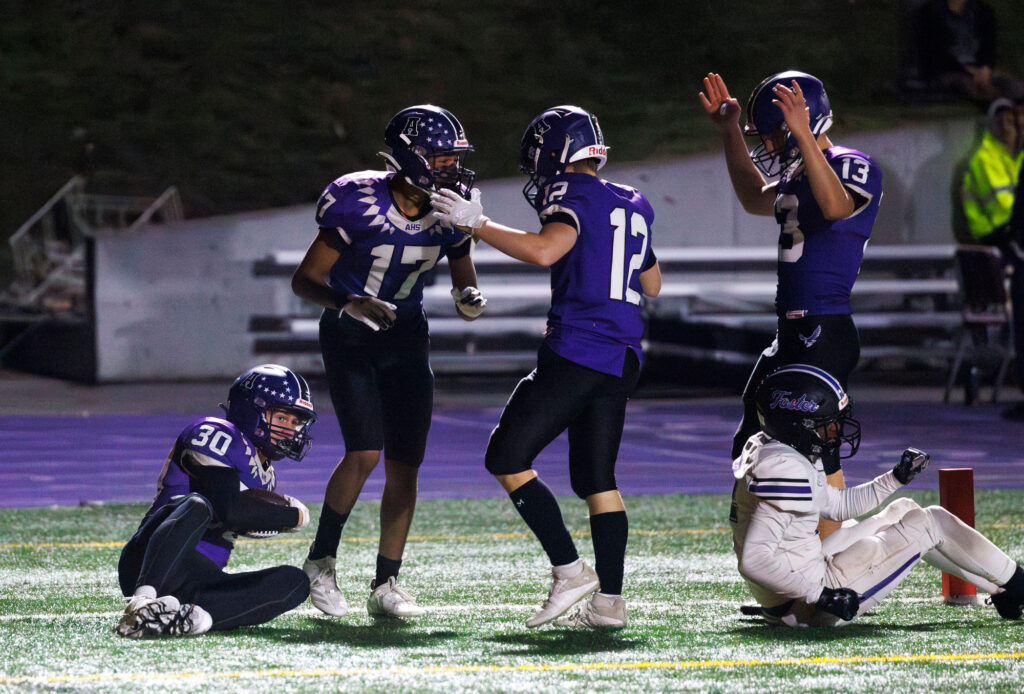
(480,576)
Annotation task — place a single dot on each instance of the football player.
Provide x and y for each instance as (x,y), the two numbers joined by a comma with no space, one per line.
(596,238)
(378,240)
(172,568)
(825,199)
(781,492)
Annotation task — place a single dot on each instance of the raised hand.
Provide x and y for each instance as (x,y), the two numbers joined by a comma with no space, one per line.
(722,109)
(791,102)
(912,462)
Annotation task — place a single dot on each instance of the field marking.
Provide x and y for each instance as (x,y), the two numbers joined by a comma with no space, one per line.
(412,538)
(404,671)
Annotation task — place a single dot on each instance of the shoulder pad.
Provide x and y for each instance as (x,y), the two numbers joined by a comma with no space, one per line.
(781,476)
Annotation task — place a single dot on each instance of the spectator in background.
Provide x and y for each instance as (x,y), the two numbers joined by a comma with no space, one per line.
(992,170)
(955,43)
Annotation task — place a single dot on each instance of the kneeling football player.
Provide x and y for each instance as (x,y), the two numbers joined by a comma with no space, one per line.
(216,484)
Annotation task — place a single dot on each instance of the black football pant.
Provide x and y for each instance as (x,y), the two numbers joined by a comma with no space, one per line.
(162,554)
(829,342)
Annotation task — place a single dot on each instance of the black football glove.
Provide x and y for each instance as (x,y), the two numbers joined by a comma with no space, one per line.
(842,602)
(911,463)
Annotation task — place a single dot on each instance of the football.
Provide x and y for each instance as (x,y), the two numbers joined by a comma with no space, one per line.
(270,498)
(265,495)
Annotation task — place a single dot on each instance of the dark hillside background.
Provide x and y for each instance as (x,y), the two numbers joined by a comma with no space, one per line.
(260,104)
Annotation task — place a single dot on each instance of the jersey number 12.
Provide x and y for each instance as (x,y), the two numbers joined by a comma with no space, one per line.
(621,270)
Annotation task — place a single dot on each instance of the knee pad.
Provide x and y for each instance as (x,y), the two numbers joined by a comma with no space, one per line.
(918,525)
(504,463)
(197,503)
(584,484)
(897,509)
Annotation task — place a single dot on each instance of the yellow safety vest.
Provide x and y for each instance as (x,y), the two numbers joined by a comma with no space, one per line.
(988,186)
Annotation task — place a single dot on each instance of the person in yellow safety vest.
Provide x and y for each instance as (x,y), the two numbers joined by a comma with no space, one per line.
(992,172)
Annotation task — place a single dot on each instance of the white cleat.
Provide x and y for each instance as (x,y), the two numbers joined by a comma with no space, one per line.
(323,587)
(389,599)
(569,584)
(146,614)
(189,620)
(601,611)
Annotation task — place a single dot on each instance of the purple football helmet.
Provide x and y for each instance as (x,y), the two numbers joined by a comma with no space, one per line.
(764,117)
(269,387)
(555,138)
(795,400)
(416,134)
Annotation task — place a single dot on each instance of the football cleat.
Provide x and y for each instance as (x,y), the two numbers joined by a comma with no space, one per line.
(1010,603)
(189,620)
(389,599)
(146,614)
(323,586)
(601,611)
(565,591)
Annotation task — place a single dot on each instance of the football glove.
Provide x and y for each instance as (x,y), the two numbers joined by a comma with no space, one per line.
(470,302)
(454,210)
(911,463)
(303,513)
(375,313)
(842,602)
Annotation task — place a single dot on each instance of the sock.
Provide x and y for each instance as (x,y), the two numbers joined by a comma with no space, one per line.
(538,507)
(328,533)
(1016,582)
(609,532)
(386,568)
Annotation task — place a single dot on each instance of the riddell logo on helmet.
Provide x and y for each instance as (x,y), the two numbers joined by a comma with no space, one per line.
(781,399)
(597,151)
(462,143)
(303,403)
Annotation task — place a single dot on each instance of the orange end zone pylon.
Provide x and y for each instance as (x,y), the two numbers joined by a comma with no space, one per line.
(956,495)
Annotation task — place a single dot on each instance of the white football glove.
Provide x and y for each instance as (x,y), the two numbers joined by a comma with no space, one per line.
(303,513)
(470,302)
(454,210)
(374,312)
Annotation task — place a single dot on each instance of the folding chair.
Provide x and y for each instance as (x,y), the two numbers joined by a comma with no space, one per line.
(985,326)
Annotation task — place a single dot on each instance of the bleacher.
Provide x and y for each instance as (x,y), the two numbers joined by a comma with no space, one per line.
(715,307)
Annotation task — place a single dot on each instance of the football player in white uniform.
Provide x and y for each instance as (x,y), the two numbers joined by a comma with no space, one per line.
(781,491)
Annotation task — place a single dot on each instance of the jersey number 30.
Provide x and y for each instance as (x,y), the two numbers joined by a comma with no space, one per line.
(622,269)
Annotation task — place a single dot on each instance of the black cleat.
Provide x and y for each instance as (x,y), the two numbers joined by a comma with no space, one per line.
(1010,603)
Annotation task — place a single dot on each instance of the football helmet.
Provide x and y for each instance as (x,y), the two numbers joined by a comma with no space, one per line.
(269,387)
(419,133)
(764,117)
(795,401)
(559,136)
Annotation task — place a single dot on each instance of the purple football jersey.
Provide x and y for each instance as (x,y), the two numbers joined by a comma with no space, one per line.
(215,442)
(596,296)
(819,259)
(384,254)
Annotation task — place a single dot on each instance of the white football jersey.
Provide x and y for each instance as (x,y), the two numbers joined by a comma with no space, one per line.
(777,501)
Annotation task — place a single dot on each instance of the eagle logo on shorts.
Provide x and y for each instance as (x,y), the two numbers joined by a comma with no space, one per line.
(809,341)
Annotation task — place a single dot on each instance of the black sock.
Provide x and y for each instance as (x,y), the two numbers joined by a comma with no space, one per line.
(609,531)
(385,569)
(328,533)
(538,507)
(1016,582)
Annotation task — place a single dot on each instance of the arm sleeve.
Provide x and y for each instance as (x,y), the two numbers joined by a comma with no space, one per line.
(843,504)
(236,512)
(763,563)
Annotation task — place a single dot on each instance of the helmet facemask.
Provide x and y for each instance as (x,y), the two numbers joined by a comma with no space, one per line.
(282,441)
